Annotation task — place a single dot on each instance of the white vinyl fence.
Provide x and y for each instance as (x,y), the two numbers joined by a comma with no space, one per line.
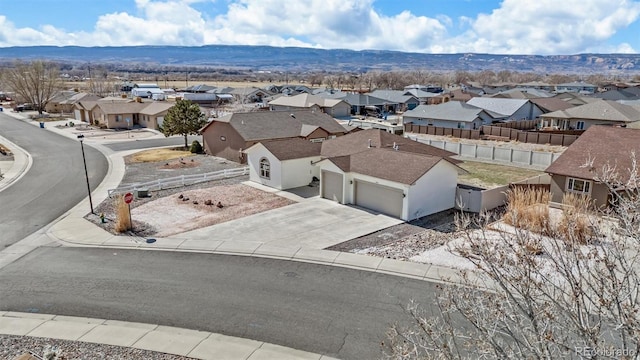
(515,157)
(178,181)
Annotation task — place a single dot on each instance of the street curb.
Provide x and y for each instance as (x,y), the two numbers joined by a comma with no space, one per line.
(21,159)
(164,339)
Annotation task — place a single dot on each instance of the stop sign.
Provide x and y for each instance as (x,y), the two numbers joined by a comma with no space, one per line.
(128,198)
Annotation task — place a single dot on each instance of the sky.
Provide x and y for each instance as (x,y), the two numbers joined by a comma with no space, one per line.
(539,27)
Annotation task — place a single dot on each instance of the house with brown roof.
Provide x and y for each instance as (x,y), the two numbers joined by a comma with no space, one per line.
(581,167)
(334,107)
(388,173)
(374,169)
(230,135)
(284,163)
(127,115)
(64,101)
(600,112)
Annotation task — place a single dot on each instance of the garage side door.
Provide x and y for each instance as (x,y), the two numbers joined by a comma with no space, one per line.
(379,198)
(331,185)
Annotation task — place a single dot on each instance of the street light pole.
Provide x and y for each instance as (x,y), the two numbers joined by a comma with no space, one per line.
(86,174)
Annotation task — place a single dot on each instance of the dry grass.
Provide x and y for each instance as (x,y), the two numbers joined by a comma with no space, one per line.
(493,175)
(575,224)
(527,209)
(158,155)
(123,222)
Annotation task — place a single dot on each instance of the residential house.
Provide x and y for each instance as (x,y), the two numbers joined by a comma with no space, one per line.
(358,102)
(461,95)
(283,163)
(128,115)
(64,101)
(507,109)
(618,94)
(146,91)
(576,87)
(230,135)
(453,114)
(551,104)
(396,100)
(249,95)
(579,167)
(335,107)
(539,85)
(388,173)
(575,99)
(601,112)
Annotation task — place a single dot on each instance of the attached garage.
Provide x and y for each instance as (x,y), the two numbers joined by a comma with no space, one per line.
(332,185)
(384,199)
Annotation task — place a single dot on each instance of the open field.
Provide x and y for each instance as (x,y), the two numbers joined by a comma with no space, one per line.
(493,175)
(181,84)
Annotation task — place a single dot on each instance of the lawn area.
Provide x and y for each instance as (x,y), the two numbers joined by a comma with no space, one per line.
(158,155)
(493,175)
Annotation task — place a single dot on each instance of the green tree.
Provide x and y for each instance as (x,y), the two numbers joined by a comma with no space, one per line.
(184,118)
(36,82)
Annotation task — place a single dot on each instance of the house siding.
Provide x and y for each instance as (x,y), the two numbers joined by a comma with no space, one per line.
(452,124)
(299,172)
(258,153)
(228,149)
(435,191)
(599,192)
(317,134)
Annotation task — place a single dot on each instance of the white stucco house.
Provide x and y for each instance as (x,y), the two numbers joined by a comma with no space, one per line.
(373,169)
(399,184)
(283,164)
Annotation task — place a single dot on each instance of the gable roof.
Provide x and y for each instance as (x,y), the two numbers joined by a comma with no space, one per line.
(393,96)
(551,104)
(294,148)
(503,107)
(358,141)
(452,111)
(604,146)
(399,166)
(305,100)
(356,99)
(121,107)
(266,125)
(155,107)
(602,110)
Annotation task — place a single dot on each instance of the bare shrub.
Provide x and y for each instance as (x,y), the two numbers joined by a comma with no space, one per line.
(578,297)
(123,222)
(576,226)
(527,209)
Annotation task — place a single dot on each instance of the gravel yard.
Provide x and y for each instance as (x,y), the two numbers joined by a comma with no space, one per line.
(164,213)
(13,346)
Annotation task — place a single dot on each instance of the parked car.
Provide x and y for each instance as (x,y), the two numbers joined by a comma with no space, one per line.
(24,107)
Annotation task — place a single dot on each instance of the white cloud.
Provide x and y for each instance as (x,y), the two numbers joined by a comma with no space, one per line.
(514,27)
(547,26)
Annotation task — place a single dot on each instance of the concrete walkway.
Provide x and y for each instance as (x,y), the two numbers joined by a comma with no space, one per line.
(71,229)
(164,339)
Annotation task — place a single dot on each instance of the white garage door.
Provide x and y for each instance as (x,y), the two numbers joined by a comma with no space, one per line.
(380,198)
(331,186)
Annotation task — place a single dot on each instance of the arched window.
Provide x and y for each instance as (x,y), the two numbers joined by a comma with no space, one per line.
(265,168)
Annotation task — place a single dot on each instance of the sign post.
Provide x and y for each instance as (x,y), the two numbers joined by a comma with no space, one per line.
(128,198)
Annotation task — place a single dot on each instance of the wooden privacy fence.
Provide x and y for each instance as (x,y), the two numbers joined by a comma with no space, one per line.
(442,131)
(532,137)
(520,124)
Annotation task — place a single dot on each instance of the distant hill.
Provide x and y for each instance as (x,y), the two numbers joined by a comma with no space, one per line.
(306,59)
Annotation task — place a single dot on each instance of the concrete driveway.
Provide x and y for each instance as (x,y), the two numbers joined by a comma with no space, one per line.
(314,223)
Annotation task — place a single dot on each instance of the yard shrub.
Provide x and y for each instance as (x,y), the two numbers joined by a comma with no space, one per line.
(575,226)
(196,148)
(527,208)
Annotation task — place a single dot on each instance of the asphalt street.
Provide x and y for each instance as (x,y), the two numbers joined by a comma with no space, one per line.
(330,310)
(54,184)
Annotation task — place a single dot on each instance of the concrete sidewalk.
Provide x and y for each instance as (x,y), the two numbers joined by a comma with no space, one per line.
(163,339)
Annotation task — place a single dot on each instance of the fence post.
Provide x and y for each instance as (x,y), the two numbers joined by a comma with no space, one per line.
(493,153)
(511,155)
(475,151)
(459,148)
(530,157)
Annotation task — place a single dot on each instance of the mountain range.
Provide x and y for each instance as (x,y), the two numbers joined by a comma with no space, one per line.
(268,58)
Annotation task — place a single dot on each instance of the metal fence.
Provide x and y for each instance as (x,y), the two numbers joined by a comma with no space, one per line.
(178,181)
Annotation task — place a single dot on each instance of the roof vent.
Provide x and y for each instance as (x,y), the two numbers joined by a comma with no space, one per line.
(293,116)
(395,146)
(369,143)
